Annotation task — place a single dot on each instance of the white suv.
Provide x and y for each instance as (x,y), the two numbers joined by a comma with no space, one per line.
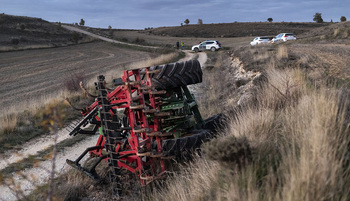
(284,37)
(211,45)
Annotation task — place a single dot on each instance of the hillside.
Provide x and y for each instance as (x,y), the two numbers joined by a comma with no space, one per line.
(337,32)
(19,32)
(238,29)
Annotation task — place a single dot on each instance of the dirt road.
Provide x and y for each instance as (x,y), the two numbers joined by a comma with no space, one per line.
(102,37)
(26,75)
(40,174)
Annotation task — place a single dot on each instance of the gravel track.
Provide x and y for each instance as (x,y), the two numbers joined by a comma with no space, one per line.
(40,174)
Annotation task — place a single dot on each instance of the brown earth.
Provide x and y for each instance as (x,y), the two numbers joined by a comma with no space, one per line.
(29,74)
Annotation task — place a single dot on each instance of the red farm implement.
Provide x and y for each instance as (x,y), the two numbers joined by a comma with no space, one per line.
(149,118)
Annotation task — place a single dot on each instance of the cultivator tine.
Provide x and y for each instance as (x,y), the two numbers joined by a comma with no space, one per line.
(150,110)
(137,107)
(85,91)
(77,129)
(91,172)
(145,87)
(133,83)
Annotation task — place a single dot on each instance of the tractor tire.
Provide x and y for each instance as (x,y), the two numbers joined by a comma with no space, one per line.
(174,75)
(194,139)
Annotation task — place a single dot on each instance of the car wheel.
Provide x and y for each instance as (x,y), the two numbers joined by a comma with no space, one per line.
(196,49)
(213,49)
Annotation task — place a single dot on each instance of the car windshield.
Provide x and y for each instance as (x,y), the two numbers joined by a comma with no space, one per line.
(289,34)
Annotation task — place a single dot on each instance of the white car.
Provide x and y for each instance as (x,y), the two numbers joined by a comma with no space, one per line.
(260,40)
(284,37)
(211,45)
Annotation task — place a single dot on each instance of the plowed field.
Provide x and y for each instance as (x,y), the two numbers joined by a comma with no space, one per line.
(29,74)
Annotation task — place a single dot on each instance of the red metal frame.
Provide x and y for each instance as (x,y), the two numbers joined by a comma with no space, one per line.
(122,97)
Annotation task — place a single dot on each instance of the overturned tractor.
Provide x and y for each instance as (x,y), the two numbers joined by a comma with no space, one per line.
(149,118)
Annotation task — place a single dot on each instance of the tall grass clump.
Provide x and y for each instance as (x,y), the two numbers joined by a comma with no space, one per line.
(282,52)
(20,123)
(198,180)
(8,123)
(292,144)
(215,87)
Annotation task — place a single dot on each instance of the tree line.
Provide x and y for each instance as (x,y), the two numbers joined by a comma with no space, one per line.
(317,18)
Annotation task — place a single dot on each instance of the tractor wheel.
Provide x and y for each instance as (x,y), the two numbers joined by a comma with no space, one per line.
(177,74)
(194,139)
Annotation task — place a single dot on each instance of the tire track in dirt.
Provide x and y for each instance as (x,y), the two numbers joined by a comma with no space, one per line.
(71,28)
(23,73)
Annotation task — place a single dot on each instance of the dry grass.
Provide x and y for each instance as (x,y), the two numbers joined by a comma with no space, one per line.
(8,123)
(214,82)
(202,174)
(336,32)
(20,123)
(299,141)
(282,52)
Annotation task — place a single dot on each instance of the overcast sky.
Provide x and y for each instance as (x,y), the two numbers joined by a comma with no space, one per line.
(139,14)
